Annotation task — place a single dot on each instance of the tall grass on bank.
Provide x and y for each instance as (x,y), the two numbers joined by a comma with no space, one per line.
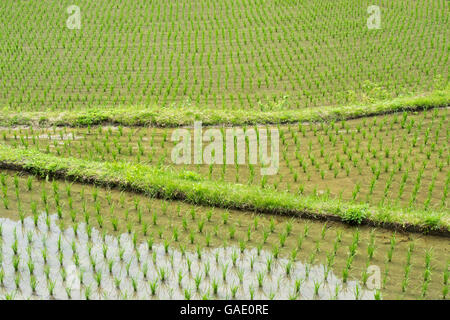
(172,117)
(192,188)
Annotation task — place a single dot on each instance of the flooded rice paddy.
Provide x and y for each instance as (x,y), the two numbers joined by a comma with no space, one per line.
(55,233)
(392,160)
(86,266)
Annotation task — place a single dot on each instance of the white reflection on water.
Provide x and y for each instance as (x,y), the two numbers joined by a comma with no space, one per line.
(131,277)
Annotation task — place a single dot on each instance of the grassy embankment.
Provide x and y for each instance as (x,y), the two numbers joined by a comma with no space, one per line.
(192,188)
(173,117)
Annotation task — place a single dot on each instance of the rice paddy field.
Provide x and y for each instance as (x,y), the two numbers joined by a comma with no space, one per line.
(128,245)
(352,121)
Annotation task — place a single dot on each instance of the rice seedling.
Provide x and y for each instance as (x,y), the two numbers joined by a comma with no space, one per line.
(371,245)
(284,254)
(214,286)
(306,230)
(391,248)
(316,288)
(251,291)
(260,277)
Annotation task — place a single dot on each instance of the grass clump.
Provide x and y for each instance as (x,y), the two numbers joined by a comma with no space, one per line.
(355,215)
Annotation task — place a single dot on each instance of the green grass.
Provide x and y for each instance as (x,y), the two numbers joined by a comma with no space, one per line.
(192,188)
(172,117)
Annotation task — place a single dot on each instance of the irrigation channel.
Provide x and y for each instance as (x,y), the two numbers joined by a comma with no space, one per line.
(67,240)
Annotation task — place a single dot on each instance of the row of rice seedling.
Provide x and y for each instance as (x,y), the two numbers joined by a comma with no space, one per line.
(395,160)
(126,245)
(61,265)
(188,186)
(239,54)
